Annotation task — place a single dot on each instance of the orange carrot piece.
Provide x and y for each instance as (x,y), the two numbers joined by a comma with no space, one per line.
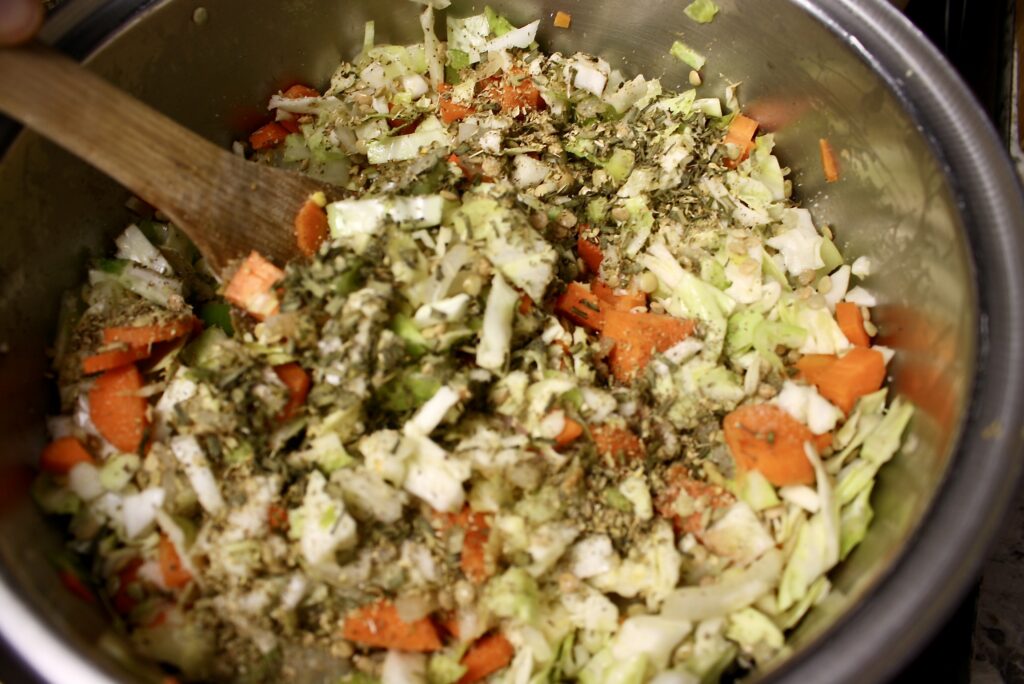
(765,438)
(741,133)
(450,110)
(852,324)
(270,135)
(476,531)
(704,494)
(379,625)
(124,601)
(310,227)
(638,336)
(562,20)
(617,442)
(277,518)
(569,434)
(117,410)
(623,302)
(470,171)
(73,583)
(520,97)
(251,288)
(581,306)
(473,558)
(61,455)
(299,91)
(143,335)
(829,164)
(290,125)
(845,380)
(296,379)
(485,657)
(174,573)
(590,253)
(525,305)
(113,358)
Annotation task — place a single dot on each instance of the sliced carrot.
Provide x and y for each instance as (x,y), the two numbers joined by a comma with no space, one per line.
(143,335)
(476,531)
(637,336)
(521,97)
(704,495)
(623,302)
(813,363)
(741,133)
(290,125)
(379,625)
(310,227)
(113,358)
(569,434)
(844,380)
(61,455)
(485,657)
(299,90)
(590,253)
(851,322)
(473,558)
(296,379)
(562,20)
(117,410)
(617,442)
(252,287)
(174,573)
(525,305)
(73,583)
(277,517)
(581,306)
(829,164)
(450,110)
(270,135)
(765,438)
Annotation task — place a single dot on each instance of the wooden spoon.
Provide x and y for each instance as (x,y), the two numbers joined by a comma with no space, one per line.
(228,206)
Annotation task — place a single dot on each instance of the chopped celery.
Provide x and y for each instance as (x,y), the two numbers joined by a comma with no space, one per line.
(830,255)
(409,390)
(688,55)
(416,344)
(620,164)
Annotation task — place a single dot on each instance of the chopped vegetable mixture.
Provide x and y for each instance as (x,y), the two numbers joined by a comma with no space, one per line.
(567,389)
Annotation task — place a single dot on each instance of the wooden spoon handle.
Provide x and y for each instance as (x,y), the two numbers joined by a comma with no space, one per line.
(225,204)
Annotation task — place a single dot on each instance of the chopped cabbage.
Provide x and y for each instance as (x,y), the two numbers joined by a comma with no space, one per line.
(738,535)
(799,242)
(496,337)
(653,636)
(513,595)
(409,146)
(735,589)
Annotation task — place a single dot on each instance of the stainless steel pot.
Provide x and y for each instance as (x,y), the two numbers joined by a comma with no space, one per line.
(926,191)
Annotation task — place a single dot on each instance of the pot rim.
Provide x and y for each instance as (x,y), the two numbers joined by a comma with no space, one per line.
(899,612)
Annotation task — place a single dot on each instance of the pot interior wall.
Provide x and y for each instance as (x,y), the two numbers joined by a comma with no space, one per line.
(799,80)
